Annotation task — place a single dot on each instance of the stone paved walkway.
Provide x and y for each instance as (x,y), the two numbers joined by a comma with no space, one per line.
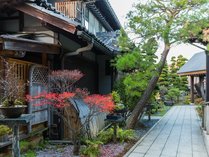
(178,134)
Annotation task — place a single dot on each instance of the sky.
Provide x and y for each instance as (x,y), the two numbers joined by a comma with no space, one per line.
(122,7)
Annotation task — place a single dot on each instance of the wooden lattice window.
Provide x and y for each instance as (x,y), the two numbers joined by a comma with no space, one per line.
(21,70)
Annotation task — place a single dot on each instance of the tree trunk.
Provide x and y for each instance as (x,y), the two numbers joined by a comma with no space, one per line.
(133,119)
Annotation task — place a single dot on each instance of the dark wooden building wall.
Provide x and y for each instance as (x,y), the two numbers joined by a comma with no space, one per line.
(90,70)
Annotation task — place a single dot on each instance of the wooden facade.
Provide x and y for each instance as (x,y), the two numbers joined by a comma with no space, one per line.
(43,37)
(70,9)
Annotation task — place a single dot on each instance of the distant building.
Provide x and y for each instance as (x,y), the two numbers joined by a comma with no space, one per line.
(195,69)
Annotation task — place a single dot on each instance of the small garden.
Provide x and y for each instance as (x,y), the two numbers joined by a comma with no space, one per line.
(61,95)
(144,88)
(114,140)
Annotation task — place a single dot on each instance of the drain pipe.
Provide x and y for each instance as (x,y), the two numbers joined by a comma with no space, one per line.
(77,52)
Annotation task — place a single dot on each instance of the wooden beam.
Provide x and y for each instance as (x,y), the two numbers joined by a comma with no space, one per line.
(23,45)
(9,18)
(47,18)
(194,73)
(35,29)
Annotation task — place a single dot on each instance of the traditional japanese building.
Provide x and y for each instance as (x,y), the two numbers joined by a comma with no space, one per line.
(40,36)
(195,69)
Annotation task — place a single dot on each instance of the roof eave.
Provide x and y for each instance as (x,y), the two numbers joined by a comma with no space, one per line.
(97,44)
(47,18)
(192,73)
(10,43)
(107,8)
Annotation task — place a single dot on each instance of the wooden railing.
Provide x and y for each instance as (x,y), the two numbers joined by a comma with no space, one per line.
(70,9)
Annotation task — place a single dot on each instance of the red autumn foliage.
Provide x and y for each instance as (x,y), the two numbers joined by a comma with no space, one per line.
(104,102)
(57,100)
(62,81)
(68,77)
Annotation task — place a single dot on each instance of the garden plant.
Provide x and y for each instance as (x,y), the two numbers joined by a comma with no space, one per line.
(61,92)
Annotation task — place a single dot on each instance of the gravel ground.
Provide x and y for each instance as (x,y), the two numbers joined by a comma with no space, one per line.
(109,150)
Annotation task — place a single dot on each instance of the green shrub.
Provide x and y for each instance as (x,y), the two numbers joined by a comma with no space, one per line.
(4,130)
(187,99)
(173,94)
(92,148)
(125,135)
(30,153)
(106,136)
(116,97)
(199,110)
(24,145)
(122,135)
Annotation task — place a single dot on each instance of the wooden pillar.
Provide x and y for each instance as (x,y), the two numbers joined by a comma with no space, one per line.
(207,77)
(192,88)
(15,142)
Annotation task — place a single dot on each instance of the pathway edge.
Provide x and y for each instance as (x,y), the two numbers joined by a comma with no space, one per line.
(141,139)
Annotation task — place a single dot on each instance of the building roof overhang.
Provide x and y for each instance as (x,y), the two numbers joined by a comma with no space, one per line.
(15,43)
(45,16)
(107,11)
(193,73)
(62,24)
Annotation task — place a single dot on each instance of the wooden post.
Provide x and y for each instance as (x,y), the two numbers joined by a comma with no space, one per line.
(15,141)
(192,88)
(207,77)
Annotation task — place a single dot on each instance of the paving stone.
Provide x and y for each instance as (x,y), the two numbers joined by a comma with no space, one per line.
(178,134)
(134,154)
(168,155)
(184,155)
(141,149)
(200,154)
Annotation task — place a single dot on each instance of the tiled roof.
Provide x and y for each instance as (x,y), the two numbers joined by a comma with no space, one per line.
(107,11)
(110,39)
(106,39)
(195,64)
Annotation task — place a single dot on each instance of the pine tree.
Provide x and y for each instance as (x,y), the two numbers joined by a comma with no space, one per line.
(170,22)
(164,77)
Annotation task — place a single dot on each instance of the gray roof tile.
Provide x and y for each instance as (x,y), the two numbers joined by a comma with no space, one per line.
(196,63)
